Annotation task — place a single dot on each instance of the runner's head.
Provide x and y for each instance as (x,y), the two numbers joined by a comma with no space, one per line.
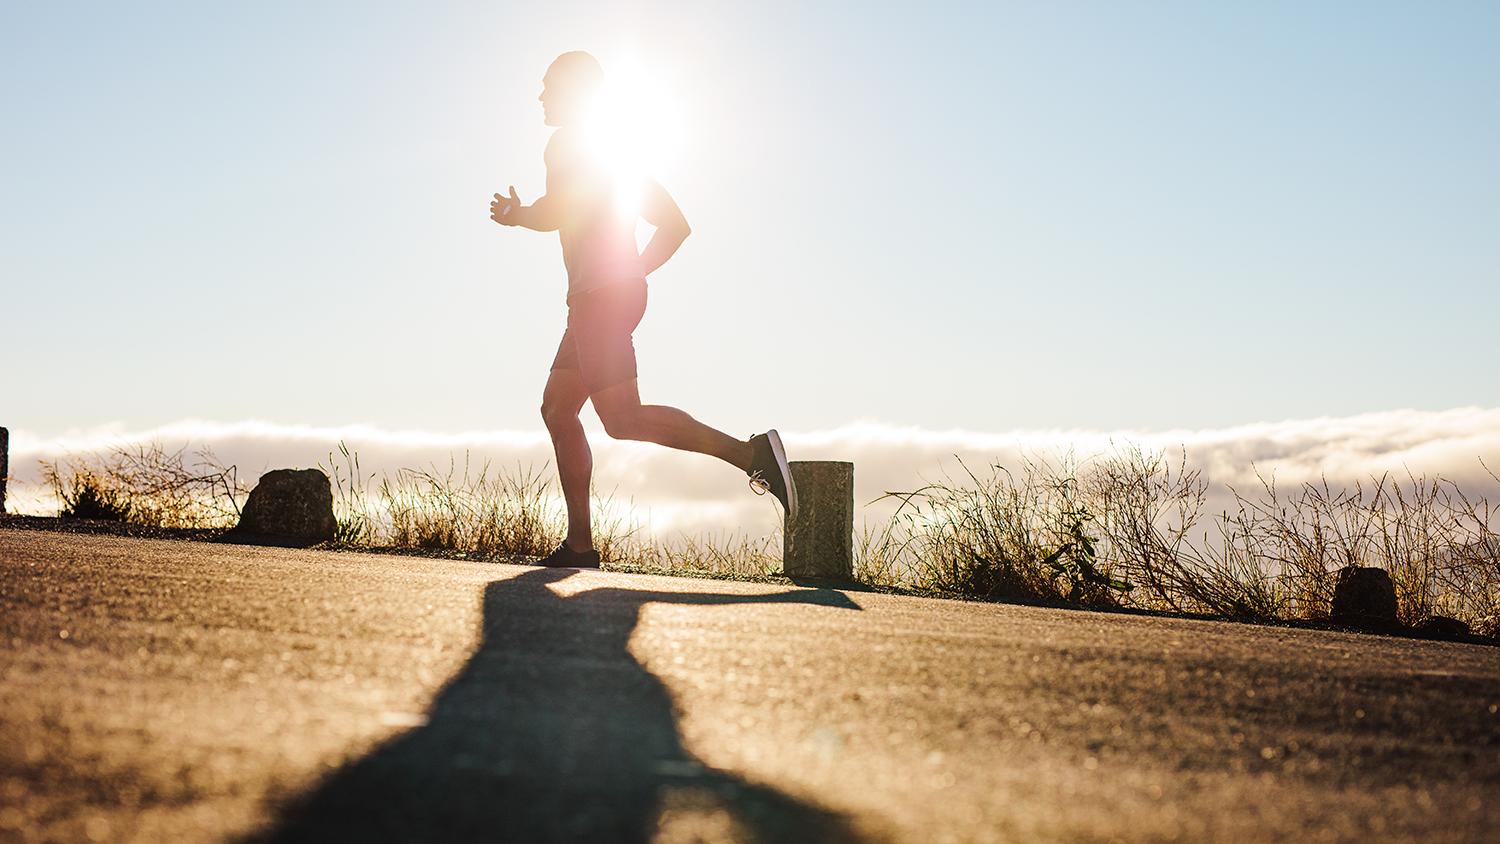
(571,80)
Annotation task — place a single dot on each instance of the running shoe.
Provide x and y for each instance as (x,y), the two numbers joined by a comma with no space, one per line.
(769,471)
(566,558)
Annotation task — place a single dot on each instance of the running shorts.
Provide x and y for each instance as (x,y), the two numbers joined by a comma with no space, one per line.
(597,341)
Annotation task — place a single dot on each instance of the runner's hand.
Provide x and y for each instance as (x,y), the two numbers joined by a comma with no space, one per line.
(504,210)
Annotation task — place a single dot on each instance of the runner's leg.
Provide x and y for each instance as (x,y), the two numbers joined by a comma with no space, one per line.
(625,418)
(562,400)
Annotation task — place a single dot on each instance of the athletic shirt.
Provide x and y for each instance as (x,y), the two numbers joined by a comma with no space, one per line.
(598,238)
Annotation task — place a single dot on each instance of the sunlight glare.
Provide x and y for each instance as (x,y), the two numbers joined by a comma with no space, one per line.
(632,128)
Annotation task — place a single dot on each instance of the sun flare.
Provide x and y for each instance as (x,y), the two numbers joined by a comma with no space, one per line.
(632,129)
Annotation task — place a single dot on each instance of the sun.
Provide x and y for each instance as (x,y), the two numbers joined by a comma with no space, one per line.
(632,128)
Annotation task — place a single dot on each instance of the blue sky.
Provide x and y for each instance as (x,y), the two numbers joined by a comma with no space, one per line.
(991,217)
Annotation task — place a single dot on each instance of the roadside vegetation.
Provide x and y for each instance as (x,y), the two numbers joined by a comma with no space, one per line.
(1125,529)
(1129,529)
(143,483)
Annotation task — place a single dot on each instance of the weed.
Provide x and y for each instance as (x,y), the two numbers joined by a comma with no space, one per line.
(1150,511)
(1075,562)
(1001,535)
(356,523)
(485,513)
(84,496)
(146,484)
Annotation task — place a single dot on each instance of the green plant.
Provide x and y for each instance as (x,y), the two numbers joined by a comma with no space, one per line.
(352,511)
(1075,562)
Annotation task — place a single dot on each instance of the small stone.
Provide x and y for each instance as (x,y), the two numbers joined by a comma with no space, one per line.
(293,503)
(1364,597)
(1442,625)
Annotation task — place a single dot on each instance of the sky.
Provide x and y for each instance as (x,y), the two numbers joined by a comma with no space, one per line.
(994,218)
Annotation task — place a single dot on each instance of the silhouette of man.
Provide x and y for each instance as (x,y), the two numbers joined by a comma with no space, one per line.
(553,735)
(606,300)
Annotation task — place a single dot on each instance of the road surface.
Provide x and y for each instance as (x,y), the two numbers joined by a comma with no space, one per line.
(175,691)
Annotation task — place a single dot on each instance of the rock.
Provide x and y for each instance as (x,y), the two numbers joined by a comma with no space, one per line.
(1443,626)
(289,502)
(1364,597)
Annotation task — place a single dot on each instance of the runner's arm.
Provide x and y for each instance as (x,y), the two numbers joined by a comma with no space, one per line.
(660,210)
(544,215)
(549,212)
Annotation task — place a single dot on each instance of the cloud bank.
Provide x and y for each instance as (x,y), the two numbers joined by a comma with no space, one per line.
(671,492)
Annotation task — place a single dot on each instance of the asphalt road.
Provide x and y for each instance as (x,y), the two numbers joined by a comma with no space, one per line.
(172,691)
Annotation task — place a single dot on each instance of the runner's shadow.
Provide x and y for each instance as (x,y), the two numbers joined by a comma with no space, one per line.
(553,732)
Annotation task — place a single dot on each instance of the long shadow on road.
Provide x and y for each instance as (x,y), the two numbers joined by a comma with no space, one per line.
(553,732)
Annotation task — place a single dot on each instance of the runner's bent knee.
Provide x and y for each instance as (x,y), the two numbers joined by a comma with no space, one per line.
(621,424)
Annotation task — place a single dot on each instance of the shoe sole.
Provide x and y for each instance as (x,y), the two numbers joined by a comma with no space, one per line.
(786,472)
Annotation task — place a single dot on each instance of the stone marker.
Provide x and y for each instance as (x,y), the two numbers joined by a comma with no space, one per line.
(4,464)
(820,541)
(1364,597)
(289,502)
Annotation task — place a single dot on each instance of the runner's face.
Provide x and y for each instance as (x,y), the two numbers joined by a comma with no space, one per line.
(557,102)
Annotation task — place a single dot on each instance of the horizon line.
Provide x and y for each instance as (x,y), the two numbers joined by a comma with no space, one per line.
(194,428)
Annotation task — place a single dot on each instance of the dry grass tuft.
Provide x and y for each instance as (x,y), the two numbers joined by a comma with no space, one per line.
(145,484)
(488,512)
(1025,535)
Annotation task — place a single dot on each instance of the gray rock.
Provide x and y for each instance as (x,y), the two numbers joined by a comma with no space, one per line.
(1442,625)
(1364,597)
(289,502)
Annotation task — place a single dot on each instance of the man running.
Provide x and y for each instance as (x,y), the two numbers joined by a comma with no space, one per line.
(606,300)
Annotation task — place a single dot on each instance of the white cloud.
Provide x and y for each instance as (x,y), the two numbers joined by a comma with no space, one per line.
(669,491)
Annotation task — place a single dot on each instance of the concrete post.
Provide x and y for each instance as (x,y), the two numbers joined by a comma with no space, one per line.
(4,465)
(820,541)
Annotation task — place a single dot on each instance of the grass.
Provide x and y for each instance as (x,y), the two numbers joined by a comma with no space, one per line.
(145,484)
(1119,530)
(519,513)
(487,513)
(1124,529)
